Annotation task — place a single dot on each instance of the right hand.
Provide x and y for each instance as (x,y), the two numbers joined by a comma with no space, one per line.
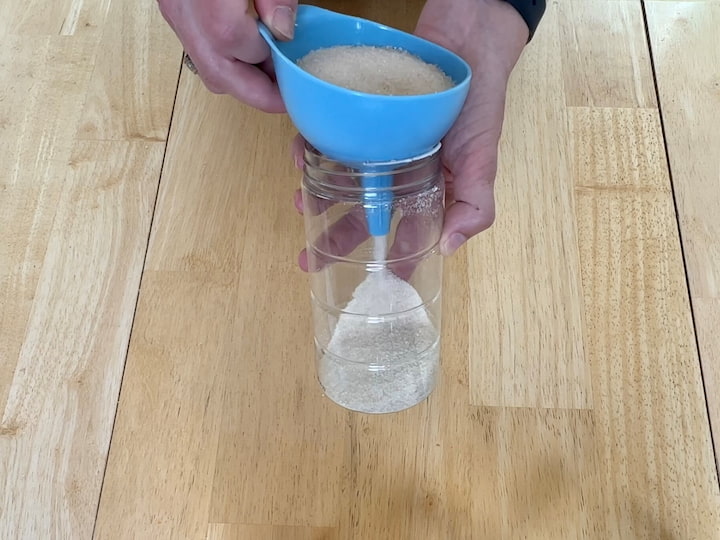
(222,39)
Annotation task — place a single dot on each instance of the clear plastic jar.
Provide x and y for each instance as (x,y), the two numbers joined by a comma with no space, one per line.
(376,298)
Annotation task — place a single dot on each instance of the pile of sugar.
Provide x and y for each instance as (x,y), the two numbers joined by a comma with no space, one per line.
(402,348)
(375,70)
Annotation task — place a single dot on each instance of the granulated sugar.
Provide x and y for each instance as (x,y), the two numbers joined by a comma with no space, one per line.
(381,363)
(379,248)
(375,70)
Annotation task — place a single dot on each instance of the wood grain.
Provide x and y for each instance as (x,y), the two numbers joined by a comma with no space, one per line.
(286,462)
(639,331)
(75,218)
(204,201)
(526,340)
(707,320)
(39,78)
(645,369)
(305,449)
(450,470)
(58,418)
(235,531)
(132,89)
(593,423)
(403,15)
(605,54)
(212,185)
(618,149)
(162,458)
(686,58)
(42,18)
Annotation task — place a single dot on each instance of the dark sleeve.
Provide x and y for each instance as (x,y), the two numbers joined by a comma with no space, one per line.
(531,11)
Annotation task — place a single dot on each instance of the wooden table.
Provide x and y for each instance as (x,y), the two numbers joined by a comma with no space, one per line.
(156,364)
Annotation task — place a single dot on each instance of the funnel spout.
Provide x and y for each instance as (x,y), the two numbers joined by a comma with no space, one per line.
(377,202)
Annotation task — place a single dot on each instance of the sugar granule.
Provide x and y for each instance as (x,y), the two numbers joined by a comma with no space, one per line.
(375,70)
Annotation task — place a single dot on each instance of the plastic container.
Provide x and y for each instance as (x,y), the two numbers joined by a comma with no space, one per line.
(376,299)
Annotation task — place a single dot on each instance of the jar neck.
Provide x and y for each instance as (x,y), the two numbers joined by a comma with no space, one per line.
(334,179)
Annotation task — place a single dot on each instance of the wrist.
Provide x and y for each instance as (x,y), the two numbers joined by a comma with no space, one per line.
(531,11)
(505,34)
(489,34)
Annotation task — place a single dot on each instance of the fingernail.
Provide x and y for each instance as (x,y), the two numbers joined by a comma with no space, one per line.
(453,243)
(298,201)
(298,162)
(283,21)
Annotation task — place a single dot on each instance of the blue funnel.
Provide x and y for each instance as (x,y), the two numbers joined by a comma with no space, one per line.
(377,202)
(357,127)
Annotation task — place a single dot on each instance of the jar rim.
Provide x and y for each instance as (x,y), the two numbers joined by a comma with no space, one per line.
(316,160)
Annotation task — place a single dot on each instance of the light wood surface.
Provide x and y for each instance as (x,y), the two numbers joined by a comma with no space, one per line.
(75,213)
(605,38)
(526,331)
(153,315)
(235,531)
(687,59)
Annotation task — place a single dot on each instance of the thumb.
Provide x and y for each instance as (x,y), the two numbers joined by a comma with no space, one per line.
(472,208)
(279,16)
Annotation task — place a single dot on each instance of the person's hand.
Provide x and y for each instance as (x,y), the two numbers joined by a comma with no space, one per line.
(490,36)
(222,39)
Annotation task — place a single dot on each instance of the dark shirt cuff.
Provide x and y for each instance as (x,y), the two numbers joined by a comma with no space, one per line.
(531,11)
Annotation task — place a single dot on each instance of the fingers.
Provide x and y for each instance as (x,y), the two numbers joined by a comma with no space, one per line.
(222,39)
(314,206)
(471,165)
(347,234)
(465,219)
(409,240)
(246,83)
(279,16)
(339,240)
(297,150)
(303,261)
(238,38)
(298,202)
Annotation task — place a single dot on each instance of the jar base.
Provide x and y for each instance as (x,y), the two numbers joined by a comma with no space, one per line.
(372,389)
